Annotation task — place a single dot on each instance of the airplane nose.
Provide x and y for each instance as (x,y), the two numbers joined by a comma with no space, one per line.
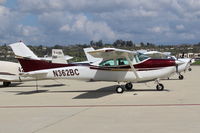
(178,62)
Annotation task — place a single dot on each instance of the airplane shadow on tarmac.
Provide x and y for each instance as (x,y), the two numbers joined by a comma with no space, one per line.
(92,94)
(106,91)
(86,94)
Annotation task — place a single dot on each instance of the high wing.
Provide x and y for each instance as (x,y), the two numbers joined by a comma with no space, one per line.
(113,53)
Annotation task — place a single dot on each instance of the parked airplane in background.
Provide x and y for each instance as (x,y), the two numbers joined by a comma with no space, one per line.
(57,57)
(9,71)
(117,65)
(179,69)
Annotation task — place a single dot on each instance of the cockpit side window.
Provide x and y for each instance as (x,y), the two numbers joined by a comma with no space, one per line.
(122,61)
(142,57)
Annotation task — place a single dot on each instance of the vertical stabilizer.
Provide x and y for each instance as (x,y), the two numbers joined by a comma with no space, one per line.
(89,57)
(58,56)
(20,49)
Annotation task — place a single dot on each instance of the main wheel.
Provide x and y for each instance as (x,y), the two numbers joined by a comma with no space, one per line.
(119,89)
(6,84)
(189,69)
(160,87)
(129,86)
(181,77)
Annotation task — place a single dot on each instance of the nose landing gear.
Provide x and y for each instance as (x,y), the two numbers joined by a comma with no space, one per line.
(181,77)
(159,86)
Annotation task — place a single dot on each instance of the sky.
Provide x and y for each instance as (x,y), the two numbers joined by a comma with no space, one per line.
(64,22)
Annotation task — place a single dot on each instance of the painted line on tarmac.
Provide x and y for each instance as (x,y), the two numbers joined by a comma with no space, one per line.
(96,106)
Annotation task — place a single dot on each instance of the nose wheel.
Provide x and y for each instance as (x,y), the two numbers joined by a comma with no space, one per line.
(160,87)
(181,77)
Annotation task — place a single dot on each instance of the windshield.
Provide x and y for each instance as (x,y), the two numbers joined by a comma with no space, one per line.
(123,61)
(157,56)
(142,57)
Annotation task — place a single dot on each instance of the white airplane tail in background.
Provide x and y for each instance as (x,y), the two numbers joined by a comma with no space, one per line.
(58,56)
(89,57)
(20,49)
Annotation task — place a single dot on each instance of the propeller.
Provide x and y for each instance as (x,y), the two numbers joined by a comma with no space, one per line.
(176,68)
(178,63)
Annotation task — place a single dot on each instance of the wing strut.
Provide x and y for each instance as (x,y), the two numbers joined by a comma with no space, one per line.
(132,68)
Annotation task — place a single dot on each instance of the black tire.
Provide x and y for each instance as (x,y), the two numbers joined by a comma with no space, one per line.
(160,87)
(129,86)
(189,69)
(181,77)
(119,89)
(6,84)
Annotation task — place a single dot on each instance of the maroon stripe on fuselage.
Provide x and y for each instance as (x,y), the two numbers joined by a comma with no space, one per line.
(153,63)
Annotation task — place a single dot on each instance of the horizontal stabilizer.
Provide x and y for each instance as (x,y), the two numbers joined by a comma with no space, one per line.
(35,74)
(9,77)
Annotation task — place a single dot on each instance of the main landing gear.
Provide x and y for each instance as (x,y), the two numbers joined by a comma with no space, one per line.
(129,86)
(121,89)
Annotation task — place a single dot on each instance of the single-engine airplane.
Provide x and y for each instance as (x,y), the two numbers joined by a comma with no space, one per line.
(117,65)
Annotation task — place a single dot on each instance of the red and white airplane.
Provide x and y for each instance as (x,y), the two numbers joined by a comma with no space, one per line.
(117,65)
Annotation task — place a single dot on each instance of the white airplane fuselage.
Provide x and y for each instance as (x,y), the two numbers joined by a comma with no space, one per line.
(145,71)
(86,73)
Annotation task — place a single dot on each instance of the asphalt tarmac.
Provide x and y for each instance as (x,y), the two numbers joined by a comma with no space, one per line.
(62,106)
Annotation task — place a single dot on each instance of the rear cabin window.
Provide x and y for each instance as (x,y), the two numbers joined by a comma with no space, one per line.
(122,62)
(117,62)
(107,63)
